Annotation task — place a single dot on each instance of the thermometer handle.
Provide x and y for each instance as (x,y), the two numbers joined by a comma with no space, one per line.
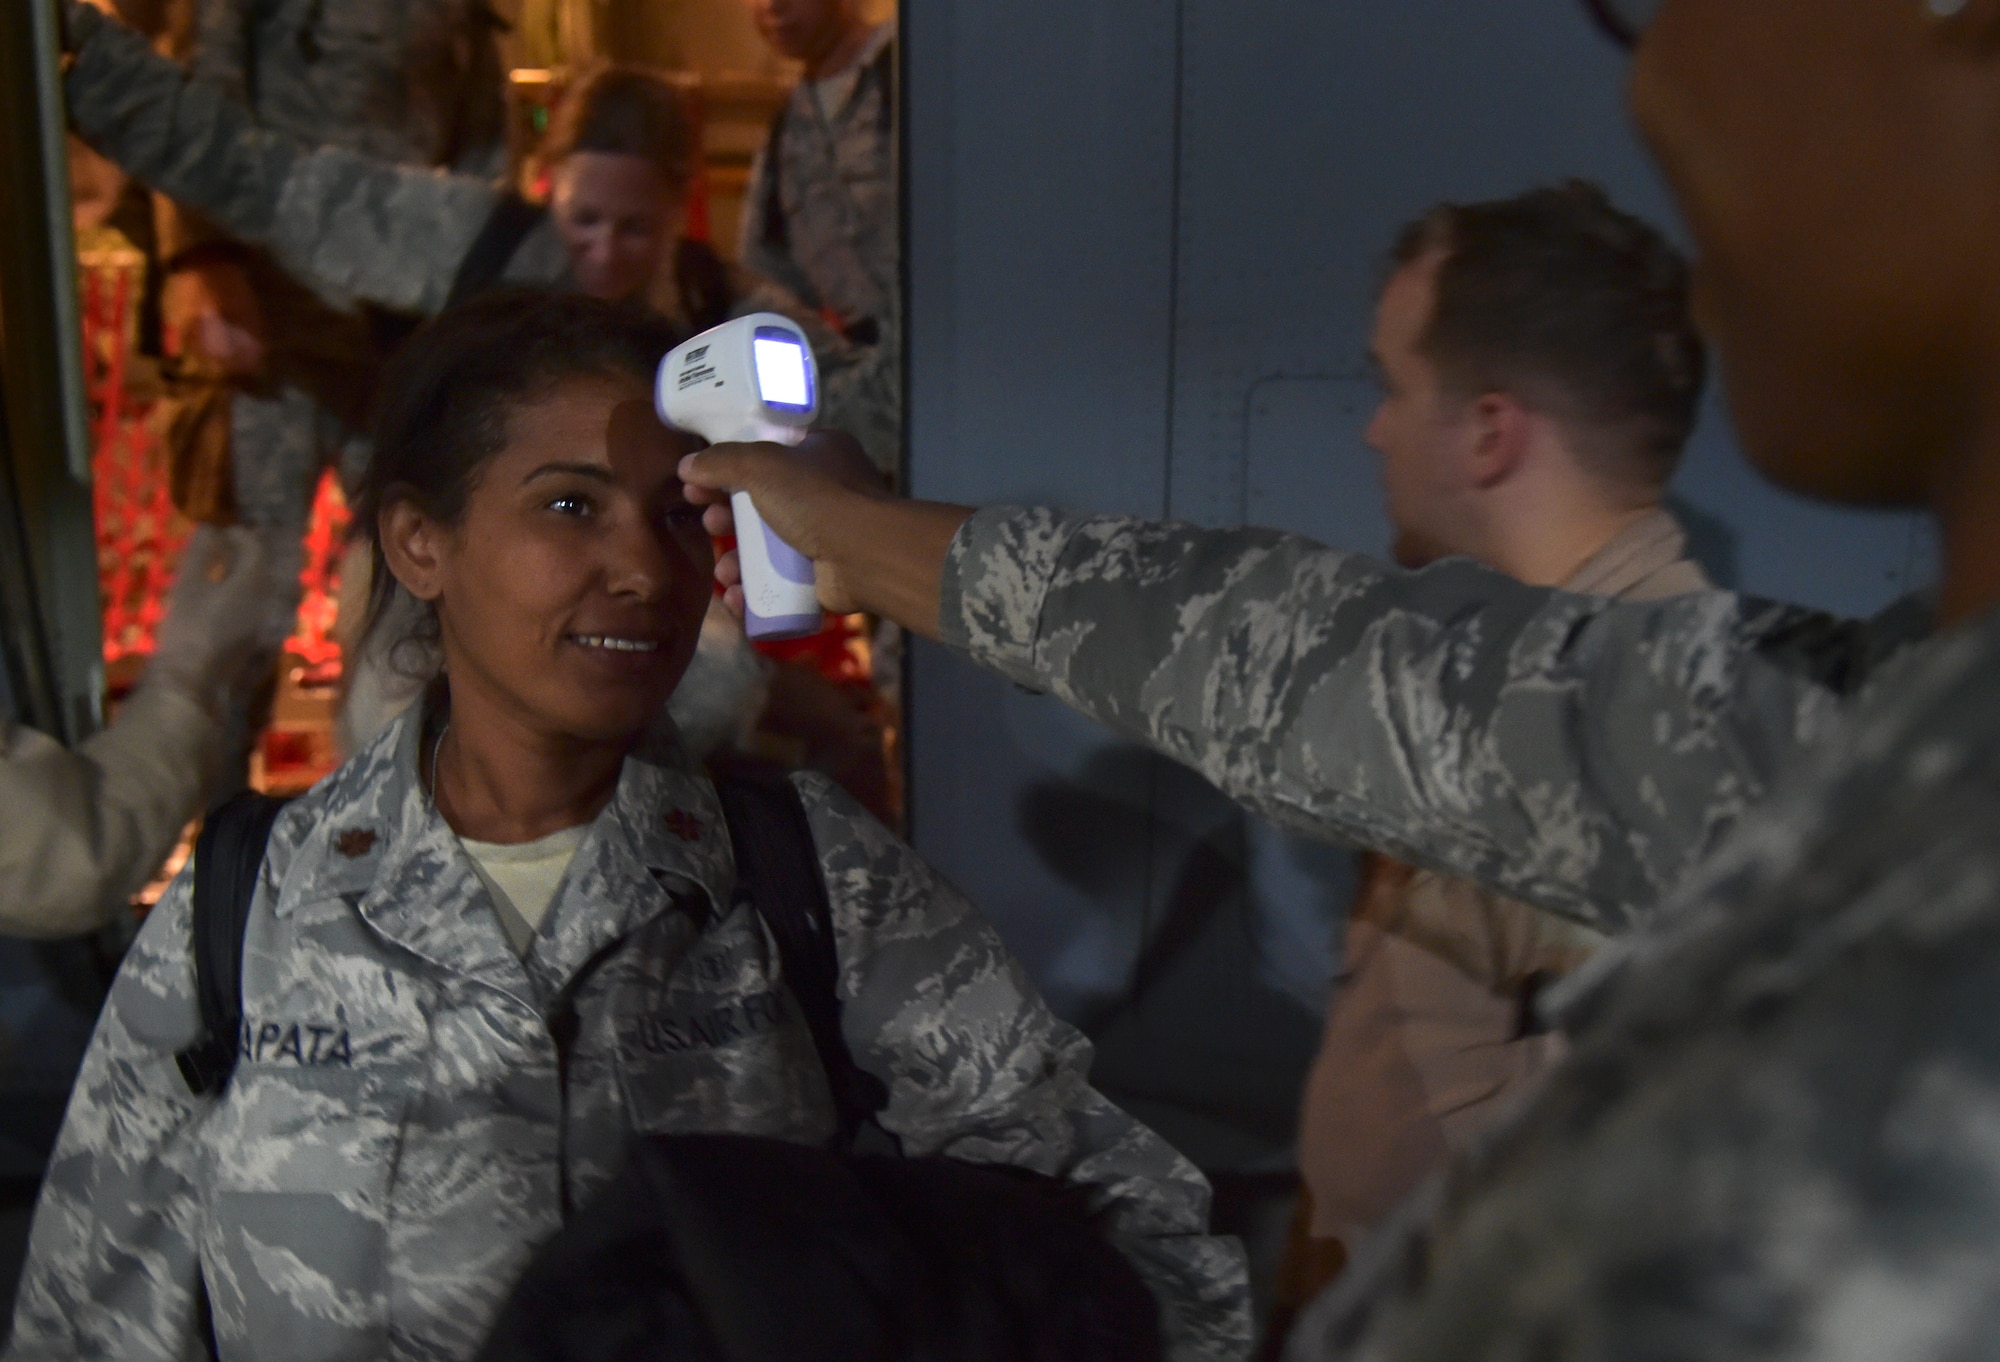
(778,596)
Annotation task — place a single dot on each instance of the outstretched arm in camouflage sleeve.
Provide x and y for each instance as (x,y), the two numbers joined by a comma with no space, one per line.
(978,1069)
(1567,750)
(113,1267)
(348,226)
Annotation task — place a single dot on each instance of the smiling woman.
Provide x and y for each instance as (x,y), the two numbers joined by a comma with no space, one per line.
(523,491)
(513,920)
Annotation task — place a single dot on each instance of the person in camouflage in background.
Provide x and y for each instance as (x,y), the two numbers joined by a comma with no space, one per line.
(416,82)
(357,229)
(820,214)
(421,1090)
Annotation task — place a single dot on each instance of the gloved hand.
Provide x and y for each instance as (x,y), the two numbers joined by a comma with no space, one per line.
(230,609)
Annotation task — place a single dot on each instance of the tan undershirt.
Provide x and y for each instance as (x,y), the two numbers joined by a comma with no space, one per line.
(522,879)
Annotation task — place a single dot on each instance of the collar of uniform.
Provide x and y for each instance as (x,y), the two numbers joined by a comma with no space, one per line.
(661,841)
(375,838)
(835,93)
(1649,545)
(367,812)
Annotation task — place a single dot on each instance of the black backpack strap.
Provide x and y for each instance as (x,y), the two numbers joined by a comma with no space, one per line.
(227,859)
(507,226)
(777,862)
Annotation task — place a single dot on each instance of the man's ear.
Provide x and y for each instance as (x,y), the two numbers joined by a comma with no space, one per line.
(1501,432)
(412,543)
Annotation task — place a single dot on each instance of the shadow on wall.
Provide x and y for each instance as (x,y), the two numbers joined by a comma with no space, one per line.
(1204,1042)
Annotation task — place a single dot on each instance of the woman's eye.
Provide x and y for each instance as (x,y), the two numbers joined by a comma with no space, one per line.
(570,505)
(684,517)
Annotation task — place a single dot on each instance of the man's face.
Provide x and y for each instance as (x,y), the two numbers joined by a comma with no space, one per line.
(1833,161)
(1424,434)
(803,30)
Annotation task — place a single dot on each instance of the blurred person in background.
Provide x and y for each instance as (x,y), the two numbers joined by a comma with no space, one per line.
(820,216)
(417,82)
(1541,375)
(820,213)
(358,228)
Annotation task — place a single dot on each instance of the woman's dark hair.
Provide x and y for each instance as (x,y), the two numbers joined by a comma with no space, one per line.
(625,111)
(445,401)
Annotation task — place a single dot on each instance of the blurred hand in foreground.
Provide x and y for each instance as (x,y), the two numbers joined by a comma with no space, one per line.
(210,312)
(228,612)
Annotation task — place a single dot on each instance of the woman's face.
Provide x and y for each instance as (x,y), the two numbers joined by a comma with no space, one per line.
(618,216)
(1834,161)
(572,591)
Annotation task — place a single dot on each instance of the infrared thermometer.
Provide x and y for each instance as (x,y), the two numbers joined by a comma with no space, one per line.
(752,379)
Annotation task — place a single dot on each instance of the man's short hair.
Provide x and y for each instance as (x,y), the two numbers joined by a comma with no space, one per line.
(1561,299)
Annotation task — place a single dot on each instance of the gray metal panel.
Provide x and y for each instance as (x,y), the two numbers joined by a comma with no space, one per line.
(1040,254)
(50,633)
(48,543)
(1144,245)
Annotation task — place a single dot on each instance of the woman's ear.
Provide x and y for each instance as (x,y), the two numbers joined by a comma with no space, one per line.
(413,545)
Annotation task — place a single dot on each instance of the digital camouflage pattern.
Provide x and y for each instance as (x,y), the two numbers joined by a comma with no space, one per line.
(1774,1136)
(418,81)
(1577,753)
(1424,1047)
(353,228)
(820,218)
(411,81)
(401,1129)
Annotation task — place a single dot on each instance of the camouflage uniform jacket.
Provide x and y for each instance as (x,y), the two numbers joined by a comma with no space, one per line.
(1773,1138)
(820,217)
(403,1127)
(350,226)
(401,80)
(413,81)
(417,81)
(1577,753)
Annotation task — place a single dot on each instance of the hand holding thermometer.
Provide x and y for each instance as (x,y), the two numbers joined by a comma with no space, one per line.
(752,379)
